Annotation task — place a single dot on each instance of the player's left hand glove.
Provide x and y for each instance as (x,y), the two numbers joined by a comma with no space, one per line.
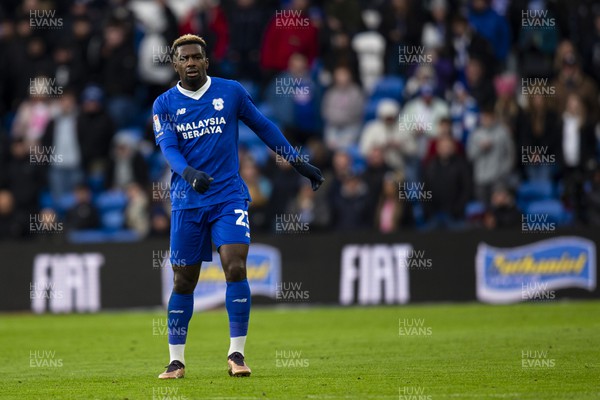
(199,180)
(311,172)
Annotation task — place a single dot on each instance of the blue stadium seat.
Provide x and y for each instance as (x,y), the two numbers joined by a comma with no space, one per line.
(124,235)
(99,236)
(553,209)
(111,200)
(359,164)
(112,220)
(64,203)
(371,109)
(389,86)
(86,236)
(534,191)
(474,210)
(46,200)
(96,182)
(111,206)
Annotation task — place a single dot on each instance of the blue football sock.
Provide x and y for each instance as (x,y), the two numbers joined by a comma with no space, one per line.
(237,302)
(180,310)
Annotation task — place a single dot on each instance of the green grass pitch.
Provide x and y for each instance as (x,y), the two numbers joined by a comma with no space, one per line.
(417,352)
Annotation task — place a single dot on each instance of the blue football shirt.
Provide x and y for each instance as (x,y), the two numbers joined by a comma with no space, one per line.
(205,125)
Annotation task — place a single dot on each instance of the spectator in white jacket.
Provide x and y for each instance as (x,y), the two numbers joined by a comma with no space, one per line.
(342,110)
(491,150)
(383,133)
(421,116)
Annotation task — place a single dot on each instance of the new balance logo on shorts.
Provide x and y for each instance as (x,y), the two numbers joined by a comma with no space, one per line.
(239,300)
(176,312)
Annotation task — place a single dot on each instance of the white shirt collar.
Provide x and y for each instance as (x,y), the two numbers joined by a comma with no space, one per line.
(198,93)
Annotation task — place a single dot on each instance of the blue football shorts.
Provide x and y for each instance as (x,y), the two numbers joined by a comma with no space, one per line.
(192,229)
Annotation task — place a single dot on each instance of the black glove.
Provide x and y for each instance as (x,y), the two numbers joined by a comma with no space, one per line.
(200,181)
(311,172)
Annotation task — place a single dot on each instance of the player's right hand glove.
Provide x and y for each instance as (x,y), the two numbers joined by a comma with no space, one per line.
(311,172)
(200,181)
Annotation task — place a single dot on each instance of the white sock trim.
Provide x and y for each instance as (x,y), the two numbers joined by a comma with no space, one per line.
(176,352)
(236,344)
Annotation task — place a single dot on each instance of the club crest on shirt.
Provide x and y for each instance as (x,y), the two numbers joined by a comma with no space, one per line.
(218,104)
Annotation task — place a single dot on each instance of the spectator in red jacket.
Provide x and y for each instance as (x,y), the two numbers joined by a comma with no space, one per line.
(208,20)
(290,31)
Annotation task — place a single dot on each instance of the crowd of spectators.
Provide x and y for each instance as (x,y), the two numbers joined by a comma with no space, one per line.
(437,114)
